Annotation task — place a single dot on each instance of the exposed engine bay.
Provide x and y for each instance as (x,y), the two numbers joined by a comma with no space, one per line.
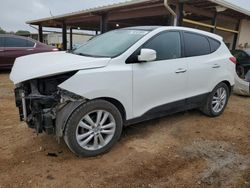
(40,99)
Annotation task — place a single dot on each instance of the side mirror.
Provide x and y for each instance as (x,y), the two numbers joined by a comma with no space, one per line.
(147,55)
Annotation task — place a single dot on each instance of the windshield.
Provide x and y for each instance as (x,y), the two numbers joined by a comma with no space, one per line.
(110,44)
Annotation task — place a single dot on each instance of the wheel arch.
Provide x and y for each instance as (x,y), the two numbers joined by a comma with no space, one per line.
(228,85)
(117,104)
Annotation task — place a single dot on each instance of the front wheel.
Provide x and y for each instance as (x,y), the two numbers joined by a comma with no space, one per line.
(216,101)
(93,128)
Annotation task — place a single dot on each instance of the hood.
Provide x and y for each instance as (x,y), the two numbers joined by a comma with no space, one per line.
(52,63)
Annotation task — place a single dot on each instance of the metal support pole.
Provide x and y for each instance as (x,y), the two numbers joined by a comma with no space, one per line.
(236,35)
(40,33)
(180,14)
(64,36)
(71,38)
(214,22)
(104,23)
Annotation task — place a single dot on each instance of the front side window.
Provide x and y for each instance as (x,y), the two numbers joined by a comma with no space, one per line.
(110,44)
(17,42)
(167,45)
(196,45)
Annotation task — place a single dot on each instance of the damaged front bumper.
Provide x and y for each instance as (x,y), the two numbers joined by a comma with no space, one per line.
(44,106)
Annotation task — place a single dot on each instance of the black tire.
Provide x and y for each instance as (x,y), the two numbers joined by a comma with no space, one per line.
(240,70)
(207,109)
(78,114)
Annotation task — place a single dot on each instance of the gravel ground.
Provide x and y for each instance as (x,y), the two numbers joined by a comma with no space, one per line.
(183,150)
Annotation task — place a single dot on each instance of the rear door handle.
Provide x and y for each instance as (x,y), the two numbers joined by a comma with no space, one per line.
(216,66)
(180,70)
(1,50)
(31,49)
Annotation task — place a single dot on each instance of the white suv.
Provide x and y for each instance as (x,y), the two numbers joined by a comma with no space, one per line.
(120,78)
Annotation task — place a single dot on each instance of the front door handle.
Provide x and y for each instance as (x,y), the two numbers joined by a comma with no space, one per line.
(216,66)
(180,70)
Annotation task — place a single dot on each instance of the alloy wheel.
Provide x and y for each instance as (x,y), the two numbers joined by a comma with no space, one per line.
(219,100)
(95,130)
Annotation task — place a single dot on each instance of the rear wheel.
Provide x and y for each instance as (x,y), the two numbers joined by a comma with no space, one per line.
(216,101)
(240,71)
(93,128)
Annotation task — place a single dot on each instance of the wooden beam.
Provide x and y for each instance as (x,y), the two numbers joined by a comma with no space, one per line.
(203,12)
(142,13)
(209,26)
(197,23)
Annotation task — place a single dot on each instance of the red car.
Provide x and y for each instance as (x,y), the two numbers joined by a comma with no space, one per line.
(12,46)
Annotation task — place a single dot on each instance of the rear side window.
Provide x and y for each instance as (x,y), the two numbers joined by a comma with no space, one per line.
(214,44)
(18,42)
(167,45)
(196,45)
(1,42)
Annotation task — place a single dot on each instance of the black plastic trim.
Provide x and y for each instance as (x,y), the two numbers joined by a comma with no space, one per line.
(170,108)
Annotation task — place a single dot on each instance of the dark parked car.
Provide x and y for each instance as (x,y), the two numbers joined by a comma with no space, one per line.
(12,46)
(243,61)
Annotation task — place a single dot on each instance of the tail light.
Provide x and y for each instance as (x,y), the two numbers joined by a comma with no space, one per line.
(233,59)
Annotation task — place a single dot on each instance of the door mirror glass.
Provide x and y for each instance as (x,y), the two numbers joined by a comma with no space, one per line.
(147,55)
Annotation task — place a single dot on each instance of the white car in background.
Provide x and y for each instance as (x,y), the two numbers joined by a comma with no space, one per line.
(242,76)
(120,78)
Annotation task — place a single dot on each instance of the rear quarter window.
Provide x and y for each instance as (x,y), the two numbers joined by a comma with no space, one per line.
(214,44)
(196,45)
(30,43)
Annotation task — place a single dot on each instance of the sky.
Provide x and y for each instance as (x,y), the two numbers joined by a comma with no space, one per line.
(14,13)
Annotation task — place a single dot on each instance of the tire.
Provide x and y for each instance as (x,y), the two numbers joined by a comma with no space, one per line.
(209,107)
(83,135)
(240,71)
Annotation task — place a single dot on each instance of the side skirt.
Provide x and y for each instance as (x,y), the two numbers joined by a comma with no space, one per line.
(170,108)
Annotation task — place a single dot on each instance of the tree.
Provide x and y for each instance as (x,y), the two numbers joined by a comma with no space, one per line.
(22,32)
(2,31)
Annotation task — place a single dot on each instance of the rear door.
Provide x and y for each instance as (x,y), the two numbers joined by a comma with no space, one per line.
(203,67)
(16,47)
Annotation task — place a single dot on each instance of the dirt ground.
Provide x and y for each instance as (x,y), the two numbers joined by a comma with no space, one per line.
(183,150)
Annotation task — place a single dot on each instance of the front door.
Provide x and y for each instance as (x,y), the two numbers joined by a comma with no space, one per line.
(162,81)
